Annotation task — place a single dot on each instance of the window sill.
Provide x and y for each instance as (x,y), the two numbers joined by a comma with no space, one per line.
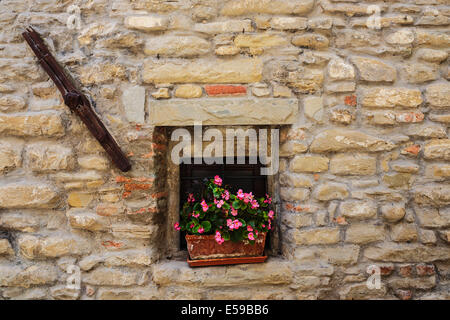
(274,271)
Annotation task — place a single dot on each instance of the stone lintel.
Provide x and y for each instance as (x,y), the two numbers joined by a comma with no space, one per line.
(223,111)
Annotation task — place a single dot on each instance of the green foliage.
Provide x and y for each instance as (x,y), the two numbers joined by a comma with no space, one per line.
(234,217)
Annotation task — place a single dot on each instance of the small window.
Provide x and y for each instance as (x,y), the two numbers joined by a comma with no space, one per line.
(239,176)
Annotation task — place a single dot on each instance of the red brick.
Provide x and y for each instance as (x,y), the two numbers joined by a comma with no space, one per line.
(351,101)
(405,271)
(144,179)
(159,146)
(297,208)
(341,221)
(386,270)
(413,150)
(111,244)
(425,269)
(404,294)
(159,195)
(410,117)
(225,90)
(148,155)
(126,194)
(137,186)
(121,179)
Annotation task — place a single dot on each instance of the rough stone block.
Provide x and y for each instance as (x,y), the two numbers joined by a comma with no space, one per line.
(86,220)
(374,70)
(317,236)
(28,195)
(406,253)
(434,195)
(358,209)
(32,124)
(392,98)
(331,191)
(437,149)
(25,277)
(309,164)
(354,164)
(46,156)
(237,7)
(339,140)
(147,22)
(177,46)
(10,155)
(104,276)
(208,71)
(133,101)
(438,95)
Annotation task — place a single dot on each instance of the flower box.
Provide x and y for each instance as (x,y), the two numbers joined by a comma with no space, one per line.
(206,247)
(225,227)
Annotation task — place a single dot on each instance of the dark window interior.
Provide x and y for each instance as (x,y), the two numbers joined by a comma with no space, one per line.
(238,176)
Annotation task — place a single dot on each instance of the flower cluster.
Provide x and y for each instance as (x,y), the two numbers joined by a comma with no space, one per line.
(226,215)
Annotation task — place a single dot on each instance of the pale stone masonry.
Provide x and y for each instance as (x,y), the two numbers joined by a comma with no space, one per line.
(363,111)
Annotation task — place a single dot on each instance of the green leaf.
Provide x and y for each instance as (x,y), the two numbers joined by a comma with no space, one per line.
(234,236)
(236,204)
(206,225)
(226,235)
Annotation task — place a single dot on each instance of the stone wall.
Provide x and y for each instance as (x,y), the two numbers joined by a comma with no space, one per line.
(364,171)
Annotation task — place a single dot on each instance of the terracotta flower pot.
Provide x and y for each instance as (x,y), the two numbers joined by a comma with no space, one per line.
(206,247)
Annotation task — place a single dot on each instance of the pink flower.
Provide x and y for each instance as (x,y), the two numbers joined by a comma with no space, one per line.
(248,197)
(270,214)
(226,195)
(191,198)
(219,238)
(218,203)
(191,226)
(250,236)
(177,226)
(249,228)
(268,199)
(233,224)
(200,230)
(217,180)
(255,204)
(195,215)
(204,205)
(240,194)
(234,212)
